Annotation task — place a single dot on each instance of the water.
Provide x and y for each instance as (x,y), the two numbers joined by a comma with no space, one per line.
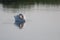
(42,23)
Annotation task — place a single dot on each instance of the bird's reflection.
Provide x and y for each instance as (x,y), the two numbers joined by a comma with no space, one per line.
(19,20)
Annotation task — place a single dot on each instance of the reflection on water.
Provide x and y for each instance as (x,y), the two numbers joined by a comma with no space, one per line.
(20,9)
(18,3)
(42,23)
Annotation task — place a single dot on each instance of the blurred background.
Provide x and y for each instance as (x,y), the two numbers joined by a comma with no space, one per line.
(42,19)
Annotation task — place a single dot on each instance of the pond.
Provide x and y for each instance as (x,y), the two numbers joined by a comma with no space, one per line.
(42,23)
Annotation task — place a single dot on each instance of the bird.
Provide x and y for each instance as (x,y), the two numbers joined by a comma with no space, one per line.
(19,20)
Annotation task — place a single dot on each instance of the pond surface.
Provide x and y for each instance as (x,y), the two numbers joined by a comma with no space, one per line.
(42,23)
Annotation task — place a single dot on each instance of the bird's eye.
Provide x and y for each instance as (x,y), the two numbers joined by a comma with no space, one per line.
(20,16)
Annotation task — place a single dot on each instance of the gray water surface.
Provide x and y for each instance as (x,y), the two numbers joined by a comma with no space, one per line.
(42,23)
